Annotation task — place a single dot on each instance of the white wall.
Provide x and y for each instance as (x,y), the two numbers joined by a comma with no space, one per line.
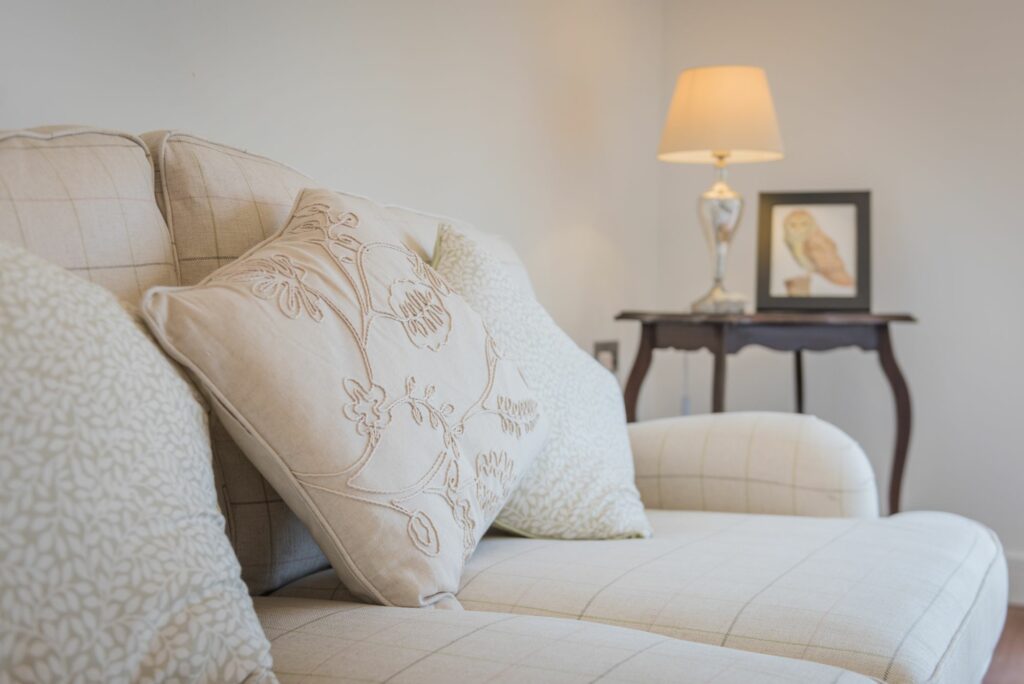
(922,102)
(532,119)
(539,120)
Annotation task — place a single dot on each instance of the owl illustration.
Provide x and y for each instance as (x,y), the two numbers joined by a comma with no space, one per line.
(815,252)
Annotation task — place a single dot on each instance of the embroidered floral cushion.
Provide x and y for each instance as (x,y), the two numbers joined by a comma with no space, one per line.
(114,566)
(365,390)
(582,485)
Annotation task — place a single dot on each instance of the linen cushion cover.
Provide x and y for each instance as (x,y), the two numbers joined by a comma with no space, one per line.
(582,484)
(382,410)
(113,561)
(916,597)
(83,199)
(218,202)
(332,643)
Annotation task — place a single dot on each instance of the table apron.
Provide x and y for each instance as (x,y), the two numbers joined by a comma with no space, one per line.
(778,337)
(687,337)
(797,337)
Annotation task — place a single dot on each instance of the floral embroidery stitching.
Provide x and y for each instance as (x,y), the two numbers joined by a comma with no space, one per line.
(423,533)
(319,216)
(422,313)
(494,477)
(281,278)
(517,417)
(367,409)
(417,303)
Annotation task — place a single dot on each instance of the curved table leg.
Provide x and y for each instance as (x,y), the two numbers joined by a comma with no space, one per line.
(798,367)
(718,384)
(639,371)
(901,395)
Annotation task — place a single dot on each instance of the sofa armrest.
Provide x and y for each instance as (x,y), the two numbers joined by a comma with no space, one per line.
(781,463)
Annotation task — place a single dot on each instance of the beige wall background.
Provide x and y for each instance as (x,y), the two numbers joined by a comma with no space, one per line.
(539,119)
(529,118)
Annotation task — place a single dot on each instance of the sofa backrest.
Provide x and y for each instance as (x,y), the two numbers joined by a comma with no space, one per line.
(83,198)
(219,201)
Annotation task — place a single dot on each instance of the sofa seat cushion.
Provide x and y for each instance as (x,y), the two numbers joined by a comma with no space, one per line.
(917,597)
(329,641)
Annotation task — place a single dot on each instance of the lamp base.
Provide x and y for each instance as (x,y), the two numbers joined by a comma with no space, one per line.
(719,210)
(718,301)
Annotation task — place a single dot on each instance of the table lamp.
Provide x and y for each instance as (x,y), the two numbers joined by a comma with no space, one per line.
(721,115)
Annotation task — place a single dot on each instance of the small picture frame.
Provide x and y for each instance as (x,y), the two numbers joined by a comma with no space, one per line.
(814,251)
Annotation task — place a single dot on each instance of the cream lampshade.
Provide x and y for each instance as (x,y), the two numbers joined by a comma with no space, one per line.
(721,115)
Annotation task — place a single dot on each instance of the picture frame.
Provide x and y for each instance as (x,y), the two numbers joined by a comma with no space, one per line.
(814,251)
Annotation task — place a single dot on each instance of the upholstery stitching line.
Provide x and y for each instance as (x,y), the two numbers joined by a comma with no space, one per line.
(674,549)
(967,615)
(14,206)
(74,208)
(451,643)
(931,603)
(788,570)
(124,219)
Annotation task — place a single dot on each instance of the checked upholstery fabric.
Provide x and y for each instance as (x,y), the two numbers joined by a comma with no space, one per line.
(805,588)
(330,642)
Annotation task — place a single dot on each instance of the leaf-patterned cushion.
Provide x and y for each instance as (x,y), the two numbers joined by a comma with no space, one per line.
(365,390)
(114,566)
(581,486)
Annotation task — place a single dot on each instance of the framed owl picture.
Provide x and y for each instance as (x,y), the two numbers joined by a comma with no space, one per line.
(814,251)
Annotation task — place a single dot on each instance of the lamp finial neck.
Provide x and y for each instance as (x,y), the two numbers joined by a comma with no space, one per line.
(720,169)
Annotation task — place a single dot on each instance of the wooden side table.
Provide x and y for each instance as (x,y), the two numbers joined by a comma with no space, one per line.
(728,333)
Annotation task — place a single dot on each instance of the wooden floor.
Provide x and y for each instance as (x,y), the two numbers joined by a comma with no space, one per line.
(1008,662)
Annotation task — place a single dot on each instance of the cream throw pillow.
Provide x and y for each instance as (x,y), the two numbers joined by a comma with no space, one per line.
(366,391)
(114,566)
(582,485)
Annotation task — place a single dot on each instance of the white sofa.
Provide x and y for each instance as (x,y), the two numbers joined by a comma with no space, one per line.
(768,561)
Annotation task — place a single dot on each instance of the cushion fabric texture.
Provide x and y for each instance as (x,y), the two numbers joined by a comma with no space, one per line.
(113,561)
(382,410)
(917,597)
(420,232)
(331,643)
(83,199)
(219,202)
(582,485)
